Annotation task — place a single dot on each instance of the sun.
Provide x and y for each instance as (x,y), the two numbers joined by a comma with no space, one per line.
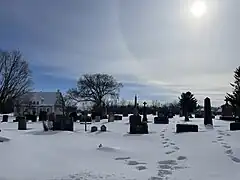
(198,8)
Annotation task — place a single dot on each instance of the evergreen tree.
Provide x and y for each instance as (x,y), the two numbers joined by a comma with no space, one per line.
(188,104)
(234,97)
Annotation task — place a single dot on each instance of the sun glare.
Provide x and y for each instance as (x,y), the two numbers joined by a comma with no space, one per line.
(198,8)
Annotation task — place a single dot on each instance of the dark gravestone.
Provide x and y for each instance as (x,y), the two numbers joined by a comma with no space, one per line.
(186,128)
(207,112)
(42,116)
(5,118)
(22,123)
(103,128)
(94,128)
(161,119)
(234,126)
(125,114)
(58,124)
(144,112)
(117,117)
(137,126)
(227,112)
(135,119)
(68,124)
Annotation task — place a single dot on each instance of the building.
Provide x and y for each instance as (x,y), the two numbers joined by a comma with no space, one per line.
(34,102)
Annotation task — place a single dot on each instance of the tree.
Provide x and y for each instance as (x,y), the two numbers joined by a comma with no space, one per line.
(15,77)
(65,104)
(95,88)
(188,104)
(234,98)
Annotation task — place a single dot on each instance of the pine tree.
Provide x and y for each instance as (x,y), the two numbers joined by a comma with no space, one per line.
(188,104)
(234,97)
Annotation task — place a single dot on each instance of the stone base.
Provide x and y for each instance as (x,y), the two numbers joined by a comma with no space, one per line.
(186,128)
(235,126)
(227,118)
(139,129)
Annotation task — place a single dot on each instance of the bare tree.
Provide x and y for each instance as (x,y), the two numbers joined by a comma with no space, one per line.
(65,104)
(15,76)
(95,88)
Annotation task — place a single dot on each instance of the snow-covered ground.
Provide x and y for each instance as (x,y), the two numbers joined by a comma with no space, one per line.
(36,155)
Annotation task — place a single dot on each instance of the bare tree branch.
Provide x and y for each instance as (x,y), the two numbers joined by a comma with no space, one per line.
(15,76)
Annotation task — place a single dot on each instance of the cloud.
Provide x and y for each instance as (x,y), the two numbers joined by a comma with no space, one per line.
(156,48)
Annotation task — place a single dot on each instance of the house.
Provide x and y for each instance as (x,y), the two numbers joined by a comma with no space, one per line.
(34,102)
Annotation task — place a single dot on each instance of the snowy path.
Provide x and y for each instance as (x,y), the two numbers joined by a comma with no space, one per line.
(162,154)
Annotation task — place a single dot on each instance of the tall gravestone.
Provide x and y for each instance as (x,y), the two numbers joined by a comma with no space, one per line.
(144,112)
(22,123)
(207,112)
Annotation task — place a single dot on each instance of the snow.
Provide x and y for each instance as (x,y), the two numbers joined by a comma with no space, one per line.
(211,153)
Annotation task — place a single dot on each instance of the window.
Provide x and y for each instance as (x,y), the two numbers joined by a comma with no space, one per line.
(33,102)
(37,102)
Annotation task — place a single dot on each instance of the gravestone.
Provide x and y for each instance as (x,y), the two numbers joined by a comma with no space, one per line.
(161,119)
(144,112)
(97,118)
(42,116)
(103,128)
(125,114)
(186,128)
(68,124)
(235,126)
(117,117)
(207,112)
(5,118)
(136,125)
(111,117)
(22,123)
(227,112)
(94,128)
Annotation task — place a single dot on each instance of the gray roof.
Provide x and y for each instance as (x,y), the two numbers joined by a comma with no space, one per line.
(49,97)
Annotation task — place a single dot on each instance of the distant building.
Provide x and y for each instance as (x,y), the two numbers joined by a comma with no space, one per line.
(34,102)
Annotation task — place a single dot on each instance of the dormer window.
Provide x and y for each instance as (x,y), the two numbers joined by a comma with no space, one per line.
(42,100)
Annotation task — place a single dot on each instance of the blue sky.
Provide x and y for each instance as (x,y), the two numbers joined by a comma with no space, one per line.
(157,48)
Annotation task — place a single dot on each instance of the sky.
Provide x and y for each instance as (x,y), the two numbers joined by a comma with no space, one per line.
(156,48)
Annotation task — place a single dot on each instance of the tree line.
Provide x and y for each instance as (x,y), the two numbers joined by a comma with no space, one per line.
(99,91)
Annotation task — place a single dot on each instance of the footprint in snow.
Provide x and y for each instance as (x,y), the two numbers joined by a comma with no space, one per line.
(180,158)
(235,159)
(227,146)
(164,142)
(122,158)
(176,148)
(170,152)
(229,152)
(133,163)
(141,168)
(166,146)
(173,144)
